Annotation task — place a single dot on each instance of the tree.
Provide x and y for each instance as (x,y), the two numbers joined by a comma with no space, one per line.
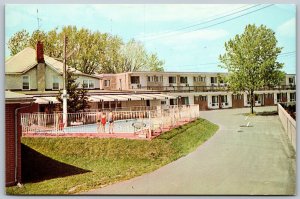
(96,51)
(77,100)
(18,42)
(251,61)
(154,63)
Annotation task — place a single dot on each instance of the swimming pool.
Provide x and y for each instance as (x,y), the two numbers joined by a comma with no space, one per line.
(119,126)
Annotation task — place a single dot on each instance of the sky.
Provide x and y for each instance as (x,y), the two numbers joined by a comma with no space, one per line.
(188,37)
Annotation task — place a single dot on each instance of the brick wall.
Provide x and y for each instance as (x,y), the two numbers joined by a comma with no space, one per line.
(10,140)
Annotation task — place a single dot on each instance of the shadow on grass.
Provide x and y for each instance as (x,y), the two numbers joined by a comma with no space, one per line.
(36,167)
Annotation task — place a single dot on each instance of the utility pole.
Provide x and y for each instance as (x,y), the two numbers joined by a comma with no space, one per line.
(65,82)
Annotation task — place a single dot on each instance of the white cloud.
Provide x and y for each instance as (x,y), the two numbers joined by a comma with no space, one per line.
(288,28)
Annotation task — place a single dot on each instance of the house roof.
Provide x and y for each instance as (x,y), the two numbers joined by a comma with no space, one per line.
(26,60)
(17,97)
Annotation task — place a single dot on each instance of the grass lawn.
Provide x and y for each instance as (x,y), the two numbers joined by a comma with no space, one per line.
(72,165)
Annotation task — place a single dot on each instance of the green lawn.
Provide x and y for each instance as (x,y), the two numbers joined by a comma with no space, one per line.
(72,165)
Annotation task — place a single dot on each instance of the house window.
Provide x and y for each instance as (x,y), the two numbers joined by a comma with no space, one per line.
(183,80)
(135,79)
(25,80)
(291,80)
(213,80)
(292,97)
(55,84)
(172,80)
(106,83)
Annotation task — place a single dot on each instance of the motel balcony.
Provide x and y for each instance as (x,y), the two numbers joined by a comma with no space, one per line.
(210,88)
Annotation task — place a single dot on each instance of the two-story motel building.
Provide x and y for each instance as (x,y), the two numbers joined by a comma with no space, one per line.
(204,88)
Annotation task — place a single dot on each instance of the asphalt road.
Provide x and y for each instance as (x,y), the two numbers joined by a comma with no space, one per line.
(254,160)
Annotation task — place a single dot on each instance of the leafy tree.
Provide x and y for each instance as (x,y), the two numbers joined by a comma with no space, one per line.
(96,51)
(251,60)
(154,63)
(18,42)
(77,100)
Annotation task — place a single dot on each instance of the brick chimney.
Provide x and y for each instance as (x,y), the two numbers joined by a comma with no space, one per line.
(40,52)
(41,68)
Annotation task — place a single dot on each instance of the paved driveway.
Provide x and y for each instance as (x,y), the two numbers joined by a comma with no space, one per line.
(236,160)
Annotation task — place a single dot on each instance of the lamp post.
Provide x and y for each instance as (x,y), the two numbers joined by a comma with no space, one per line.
(65,81)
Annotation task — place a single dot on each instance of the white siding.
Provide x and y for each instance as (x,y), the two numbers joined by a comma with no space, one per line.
(49,78)
(16,81)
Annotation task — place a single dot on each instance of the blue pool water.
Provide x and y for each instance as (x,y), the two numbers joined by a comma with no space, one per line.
(119,126)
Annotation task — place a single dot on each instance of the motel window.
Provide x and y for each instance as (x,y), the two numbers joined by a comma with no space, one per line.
(213,80)
(185,100)
(88,84)
(172,80)
(257,98)
(173,102)
(55,84)
(224,98)
(199,79)
(85,84)
(279,97)
(135,79)
(292,97)
(237,97)
(183,80)
(106,83)
(25,80)
(91,84)
(155,78)
(202,98)
(248,99)
(215,100)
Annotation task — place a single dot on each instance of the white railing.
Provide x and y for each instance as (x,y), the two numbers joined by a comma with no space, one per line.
(163,117)
(289,124)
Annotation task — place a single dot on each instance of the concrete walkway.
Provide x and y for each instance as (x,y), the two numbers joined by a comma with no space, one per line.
(236,160)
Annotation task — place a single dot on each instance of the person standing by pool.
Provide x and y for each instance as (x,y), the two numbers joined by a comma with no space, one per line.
(103,121)
(111,121)
(98,121)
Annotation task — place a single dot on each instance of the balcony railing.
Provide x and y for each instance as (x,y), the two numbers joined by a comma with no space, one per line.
(210,88)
